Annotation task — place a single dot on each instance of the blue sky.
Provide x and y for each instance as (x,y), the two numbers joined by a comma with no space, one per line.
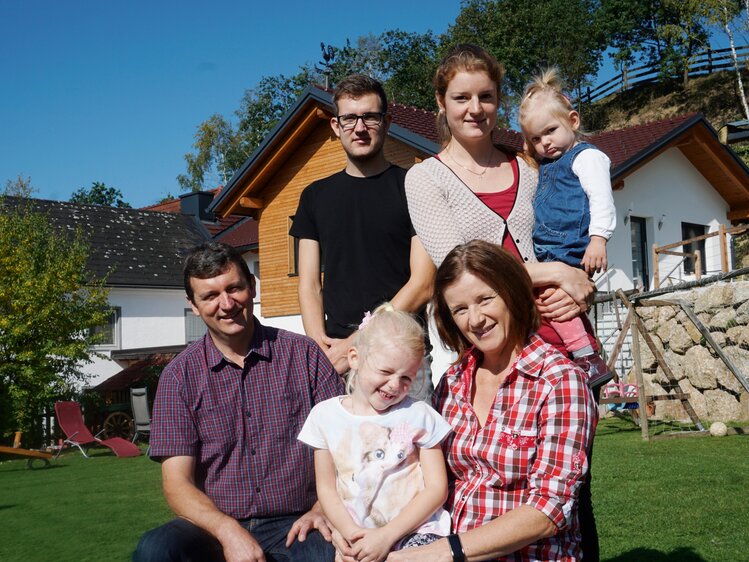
(113,91)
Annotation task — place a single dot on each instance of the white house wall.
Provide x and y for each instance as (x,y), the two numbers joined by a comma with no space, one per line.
(668,185)
(148,318)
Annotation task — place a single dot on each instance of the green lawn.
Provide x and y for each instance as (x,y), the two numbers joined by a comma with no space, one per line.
(680,500)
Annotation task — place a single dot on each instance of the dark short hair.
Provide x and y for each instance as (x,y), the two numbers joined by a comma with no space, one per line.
(358,85)
(211,259)
(503,273)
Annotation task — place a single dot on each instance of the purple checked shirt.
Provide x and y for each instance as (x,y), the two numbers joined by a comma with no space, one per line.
(241,424)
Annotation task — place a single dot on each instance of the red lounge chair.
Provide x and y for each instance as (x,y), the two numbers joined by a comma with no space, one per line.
(71,421)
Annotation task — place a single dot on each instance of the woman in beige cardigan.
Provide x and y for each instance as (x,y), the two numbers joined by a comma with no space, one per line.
(474,189)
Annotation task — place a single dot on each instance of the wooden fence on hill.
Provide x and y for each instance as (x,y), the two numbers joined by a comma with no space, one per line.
(706,62)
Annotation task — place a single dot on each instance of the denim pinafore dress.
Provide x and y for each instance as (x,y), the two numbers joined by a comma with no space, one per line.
(562,211)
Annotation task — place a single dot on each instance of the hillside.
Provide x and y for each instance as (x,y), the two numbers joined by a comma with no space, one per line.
(713,95)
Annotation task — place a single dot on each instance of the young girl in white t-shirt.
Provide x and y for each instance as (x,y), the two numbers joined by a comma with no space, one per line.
(380,472)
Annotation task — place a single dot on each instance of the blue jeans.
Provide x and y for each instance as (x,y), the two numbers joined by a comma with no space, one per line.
(181,541)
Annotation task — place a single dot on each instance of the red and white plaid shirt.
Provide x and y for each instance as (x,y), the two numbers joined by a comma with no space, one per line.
(531,450)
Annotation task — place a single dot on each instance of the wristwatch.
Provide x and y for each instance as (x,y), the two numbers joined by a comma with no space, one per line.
(456,548)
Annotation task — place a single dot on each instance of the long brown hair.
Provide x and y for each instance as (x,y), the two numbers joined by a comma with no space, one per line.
(503,273)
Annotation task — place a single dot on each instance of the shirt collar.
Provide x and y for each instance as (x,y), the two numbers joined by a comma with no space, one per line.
(529,362)
(260,345)
(531,358)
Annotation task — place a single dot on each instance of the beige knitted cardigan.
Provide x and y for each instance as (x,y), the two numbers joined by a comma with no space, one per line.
(445,212)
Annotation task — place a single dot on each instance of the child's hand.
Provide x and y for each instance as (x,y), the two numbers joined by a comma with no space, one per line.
(594,260)
(371,545)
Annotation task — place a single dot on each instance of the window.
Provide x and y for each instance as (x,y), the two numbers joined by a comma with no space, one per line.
(194,326)
(639,238)
(108,334)
(691,230)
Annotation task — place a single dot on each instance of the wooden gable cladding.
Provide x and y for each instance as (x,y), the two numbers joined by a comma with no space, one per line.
(249,202)
(719,168)
(319,156)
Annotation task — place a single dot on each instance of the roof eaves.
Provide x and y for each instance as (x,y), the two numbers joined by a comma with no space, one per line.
(412,139)
(311,92)
(236,226)
(637,159)
(247,247)
(132,285)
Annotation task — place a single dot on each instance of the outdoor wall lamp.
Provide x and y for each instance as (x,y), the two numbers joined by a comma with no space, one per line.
(661,221)
(628,215)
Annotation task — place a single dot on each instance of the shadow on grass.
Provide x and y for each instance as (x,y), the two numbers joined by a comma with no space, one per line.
(650,555)
(24,468)
(11,506)
(622,423)
(619,423)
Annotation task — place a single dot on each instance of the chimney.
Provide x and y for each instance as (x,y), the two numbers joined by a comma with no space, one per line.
(196,204)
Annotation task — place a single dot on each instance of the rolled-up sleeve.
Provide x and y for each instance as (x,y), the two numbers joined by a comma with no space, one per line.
(173,432)
(566,425)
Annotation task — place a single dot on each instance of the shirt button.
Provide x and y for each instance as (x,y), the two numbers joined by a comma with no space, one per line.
(517,240)
(525,259)
(252,451)
(257,490)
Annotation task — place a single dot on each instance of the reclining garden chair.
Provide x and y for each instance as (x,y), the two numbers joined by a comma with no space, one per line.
(141,415)
(70,419)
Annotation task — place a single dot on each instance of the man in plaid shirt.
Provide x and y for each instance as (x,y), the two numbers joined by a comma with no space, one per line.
(225,420)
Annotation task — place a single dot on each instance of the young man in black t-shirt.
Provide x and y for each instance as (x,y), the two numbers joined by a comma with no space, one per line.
(355,225)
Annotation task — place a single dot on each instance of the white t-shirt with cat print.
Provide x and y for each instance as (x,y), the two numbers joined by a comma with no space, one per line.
(377,457)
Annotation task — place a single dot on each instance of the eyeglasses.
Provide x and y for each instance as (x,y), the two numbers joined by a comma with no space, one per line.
(370,120)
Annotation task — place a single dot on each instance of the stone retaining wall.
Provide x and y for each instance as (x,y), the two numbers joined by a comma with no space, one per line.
(714,392)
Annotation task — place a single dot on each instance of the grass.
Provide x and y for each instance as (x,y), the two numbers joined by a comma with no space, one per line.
(78,509)
(680,500)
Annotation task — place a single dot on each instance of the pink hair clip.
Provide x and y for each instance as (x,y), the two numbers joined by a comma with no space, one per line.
(366,319)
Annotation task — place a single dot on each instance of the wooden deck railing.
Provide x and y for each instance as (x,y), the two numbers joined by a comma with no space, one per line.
(706,62)
(722,232)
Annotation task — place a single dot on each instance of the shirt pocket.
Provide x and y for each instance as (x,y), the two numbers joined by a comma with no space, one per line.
(217,426)
(517,452)
(279,419)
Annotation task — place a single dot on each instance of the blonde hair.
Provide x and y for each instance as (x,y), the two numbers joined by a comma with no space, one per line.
(463,57)
(386,327)
(544,93)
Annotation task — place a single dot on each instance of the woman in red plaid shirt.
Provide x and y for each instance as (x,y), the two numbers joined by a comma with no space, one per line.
(522,414)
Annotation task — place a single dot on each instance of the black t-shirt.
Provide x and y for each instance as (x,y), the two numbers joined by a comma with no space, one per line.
(364,231)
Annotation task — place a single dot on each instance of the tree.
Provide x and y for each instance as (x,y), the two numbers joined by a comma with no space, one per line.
(49,306)
(666,33)
(19,187)
(408,62)
(527,37)
(723,13)
(218,154)
(221,149)
(99,194)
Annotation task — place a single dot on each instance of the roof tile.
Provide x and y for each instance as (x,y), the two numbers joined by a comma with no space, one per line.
(131,247)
